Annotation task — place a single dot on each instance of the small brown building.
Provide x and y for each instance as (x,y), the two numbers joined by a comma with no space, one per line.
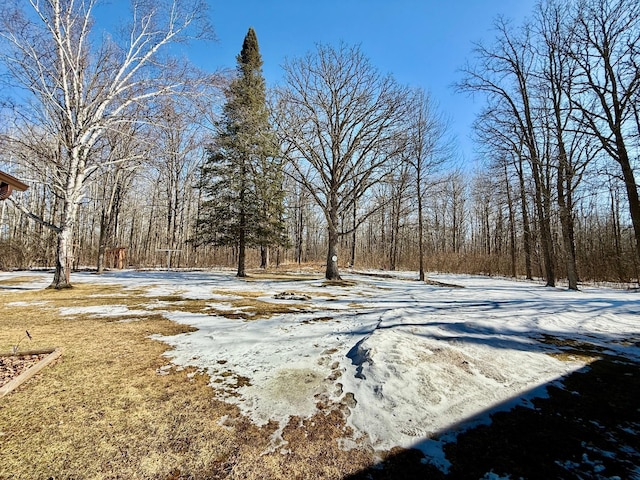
(8,184)
(115,257)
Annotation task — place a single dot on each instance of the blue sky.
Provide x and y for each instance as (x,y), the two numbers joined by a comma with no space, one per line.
(421,42)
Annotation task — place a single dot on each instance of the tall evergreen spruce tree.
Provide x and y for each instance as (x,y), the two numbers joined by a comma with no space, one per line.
(242,176)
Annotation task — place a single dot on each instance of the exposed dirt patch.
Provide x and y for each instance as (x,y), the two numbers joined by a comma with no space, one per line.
(436,283)
(170,298)
(376,275)
(339,283)
(240,305)
(251,309)
(572,349)
(428,281)
(291,296)
(318,319)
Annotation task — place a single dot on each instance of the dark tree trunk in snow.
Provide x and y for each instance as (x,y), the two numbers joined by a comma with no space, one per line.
(332,252)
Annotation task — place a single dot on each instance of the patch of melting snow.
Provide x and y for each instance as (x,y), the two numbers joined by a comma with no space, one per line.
(406,385)
(28,304)
(101,311)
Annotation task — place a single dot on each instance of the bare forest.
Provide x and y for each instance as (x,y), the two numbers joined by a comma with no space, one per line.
(112,134)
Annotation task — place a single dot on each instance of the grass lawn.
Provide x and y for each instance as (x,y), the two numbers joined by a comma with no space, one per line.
(108,408)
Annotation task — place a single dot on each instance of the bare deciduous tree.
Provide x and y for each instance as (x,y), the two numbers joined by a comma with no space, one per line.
(340,120)
(77,86)
(116,177)
(427,150)
(506,73)
(606,49)
(557,77)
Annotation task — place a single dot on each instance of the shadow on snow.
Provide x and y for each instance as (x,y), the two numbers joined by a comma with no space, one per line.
(585,425)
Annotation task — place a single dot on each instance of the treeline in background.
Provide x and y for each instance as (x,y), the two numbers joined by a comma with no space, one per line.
(121,173)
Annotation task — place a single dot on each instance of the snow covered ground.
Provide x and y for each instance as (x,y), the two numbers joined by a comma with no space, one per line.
(409,359)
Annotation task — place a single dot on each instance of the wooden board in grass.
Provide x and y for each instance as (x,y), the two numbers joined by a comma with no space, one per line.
(47,357)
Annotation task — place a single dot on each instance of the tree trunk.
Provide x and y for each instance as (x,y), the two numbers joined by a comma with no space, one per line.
(264,257)
(3,209)
(332,252)
(395,233)
(512,224)
(541,194)
(102,243)
(526,226)
(242,248)
(632,194)
(242,240)
(73,194)
(332,257)
(487,228)
(566,216)
(353,237)
(454,218)
(545,224)
(353,249)
(299,230)
(241,255)
(64,258)
(420,233)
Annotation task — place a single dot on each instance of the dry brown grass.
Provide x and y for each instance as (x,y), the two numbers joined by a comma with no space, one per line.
(571,350)
(282,275)
(244,308)
(19,280)
(339,283)
(104,412)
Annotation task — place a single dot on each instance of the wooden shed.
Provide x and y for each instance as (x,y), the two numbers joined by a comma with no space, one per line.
(116,257)
(8,184)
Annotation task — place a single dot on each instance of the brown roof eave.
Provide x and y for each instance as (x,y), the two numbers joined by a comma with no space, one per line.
(13,181)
